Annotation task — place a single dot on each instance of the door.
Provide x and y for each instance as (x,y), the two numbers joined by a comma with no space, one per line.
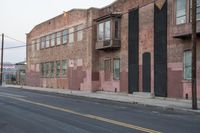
(146,72)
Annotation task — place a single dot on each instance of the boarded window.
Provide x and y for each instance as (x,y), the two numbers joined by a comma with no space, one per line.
(187,65)
(180,11)
(107,69)
(116,69)
(65,36)
(58,69)
(64,67)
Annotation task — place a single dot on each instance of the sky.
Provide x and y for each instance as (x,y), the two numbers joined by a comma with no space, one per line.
(18,17)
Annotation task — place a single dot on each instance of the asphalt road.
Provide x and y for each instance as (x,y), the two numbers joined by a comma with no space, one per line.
(23,111)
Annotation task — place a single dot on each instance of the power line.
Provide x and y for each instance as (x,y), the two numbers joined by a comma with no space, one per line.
(26,45)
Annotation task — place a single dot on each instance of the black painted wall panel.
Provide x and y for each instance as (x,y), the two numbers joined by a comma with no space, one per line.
(160,50)
(133,51)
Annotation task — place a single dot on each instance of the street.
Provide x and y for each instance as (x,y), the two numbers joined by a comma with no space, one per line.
(23,111)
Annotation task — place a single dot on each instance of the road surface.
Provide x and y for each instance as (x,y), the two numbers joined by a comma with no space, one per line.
(24,111)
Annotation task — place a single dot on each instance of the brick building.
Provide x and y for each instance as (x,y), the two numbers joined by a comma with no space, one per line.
(128,46)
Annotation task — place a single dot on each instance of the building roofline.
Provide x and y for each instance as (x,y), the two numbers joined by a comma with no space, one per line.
(72,10)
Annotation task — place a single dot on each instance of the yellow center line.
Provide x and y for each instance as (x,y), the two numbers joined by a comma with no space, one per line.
(94,117)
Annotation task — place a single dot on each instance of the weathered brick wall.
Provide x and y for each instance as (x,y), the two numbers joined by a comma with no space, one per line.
(177,86)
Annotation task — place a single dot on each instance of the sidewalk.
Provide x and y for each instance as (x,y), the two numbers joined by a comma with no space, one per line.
(165,103)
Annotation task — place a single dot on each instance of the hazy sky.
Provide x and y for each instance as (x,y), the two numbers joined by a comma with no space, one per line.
(18,17)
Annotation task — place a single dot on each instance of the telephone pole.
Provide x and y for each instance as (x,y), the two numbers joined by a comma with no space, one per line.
(2,47)
(194,55)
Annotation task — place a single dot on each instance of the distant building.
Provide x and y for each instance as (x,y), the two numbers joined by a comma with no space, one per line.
(9,72)
(21,73)
(128,46)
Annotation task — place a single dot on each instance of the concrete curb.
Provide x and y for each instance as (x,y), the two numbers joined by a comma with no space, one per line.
(163,103)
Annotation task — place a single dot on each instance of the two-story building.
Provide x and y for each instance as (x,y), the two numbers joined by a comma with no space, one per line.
(128,46)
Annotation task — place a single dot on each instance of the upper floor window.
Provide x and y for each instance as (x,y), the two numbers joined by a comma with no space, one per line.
(187,65)
(79,33)
(65,36)
(53,39)
(58,38)
(180,11)
(198,10)
(47,41)
(43,39)
(104,31)
(71,35)
(38,44)
(117,25)
(33,46)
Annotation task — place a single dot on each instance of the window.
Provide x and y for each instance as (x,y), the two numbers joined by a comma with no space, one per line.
(46,70)
(53,40)
(47,41)
(116,29)
(71,35)
(64,67)
(101,31)
(79,33)
(58,38)
(116,69)
(187,65)
(58,69)
(51,69)
(104,31)
(65,36)
(107,69)
(180,11)
(42,69)
(107,30)
(38,44)
(33,46)
(43,42)
(198,10)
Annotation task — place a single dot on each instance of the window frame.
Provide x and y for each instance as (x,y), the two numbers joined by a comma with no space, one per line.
(58,68)
(110,69)
(79,30)
(104,30)
(58,38)
(53,39)
(176,13)
(116,59)
(65,35)
(186,66)
(71,34)
(64,68)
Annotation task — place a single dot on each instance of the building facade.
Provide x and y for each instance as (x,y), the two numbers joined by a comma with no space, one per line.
(128,46)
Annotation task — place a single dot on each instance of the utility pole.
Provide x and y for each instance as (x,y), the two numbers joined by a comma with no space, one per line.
(194,55)
(2,47)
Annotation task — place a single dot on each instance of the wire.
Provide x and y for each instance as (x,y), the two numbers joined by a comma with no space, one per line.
(67,33)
